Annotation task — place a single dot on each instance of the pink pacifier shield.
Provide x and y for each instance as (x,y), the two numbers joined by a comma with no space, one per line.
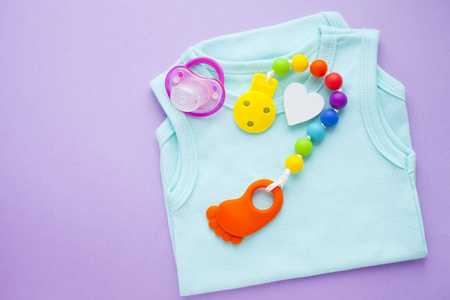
(193,94)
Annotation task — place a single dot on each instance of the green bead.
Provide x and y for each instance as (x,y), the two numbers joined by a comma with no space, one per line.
(303,147)
(281,66)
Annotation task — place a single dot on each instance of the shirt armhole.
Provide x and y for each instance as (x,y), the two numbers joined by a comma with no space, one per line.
(391,100)
(378,87)
(178,150)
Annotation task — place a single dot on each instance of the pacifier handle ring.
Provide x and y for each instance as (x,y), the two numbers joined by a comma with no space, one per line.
(209,61)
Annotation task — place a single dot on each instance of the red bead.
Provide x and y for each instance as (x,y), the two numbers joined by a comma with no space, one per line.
(318,68)
(333,81)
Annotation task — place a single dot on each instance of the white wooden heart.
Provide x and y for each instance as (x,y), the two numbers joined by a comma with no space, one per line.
(299,106)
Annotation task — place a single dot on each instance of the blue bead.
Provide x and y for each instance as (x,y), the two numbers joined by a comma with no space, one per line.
(315,131)
(329,117)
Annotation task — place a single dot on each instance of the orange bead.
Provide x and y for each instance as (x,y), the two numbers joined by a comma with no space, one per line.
(318,68)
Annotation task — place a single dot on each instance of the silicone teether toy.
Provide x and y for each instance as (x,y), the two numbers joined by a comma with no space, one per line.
(235,219)
(193,94)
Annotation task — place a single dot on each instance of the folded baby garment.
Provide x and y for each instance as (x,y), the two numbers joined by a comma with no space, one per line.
(353,205)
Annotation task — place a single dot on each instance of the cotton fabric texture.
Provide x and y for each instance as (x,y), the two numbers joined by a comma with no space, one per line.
(353,205)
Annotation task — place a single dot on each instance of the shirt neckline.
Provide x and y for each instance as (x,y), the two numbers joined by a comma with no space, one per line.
(320,41)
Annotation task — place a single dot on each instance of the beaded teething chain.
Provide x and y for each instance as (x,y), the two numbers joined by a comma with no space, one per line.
(234,219)
(329,117)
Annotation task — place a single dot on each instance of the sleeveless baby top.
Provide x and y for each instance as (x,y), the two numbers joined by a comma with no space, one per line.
(354,204)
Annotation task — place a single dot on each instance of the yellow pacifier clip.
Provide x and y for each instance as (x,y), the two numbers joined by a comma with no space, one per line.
(254,111)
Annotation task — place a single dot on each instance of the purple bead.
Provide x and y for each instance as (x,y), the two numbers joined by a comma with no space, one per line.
(338,100)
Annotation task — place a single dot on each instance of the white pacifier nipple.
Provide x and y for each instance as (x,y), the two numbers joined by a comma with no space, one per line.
(185,98)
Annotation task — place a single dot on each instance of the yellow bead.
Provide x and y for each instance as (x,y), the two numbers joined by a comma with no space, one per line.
(294,163)
(299,63)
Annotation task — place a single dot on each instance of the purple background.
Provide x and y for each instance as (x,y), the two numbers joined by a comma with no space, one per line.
(81,205)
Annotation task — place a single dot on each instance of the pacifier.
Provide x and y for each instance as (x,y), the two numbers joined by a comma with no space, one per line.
(193,94)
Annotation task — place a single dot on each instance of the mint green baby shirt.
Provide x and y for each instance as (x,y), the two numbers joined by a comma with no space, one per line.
(354,204)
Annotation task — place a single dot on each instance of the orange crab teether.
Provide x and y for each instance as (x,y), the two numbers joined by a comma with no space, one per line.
(237,218)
